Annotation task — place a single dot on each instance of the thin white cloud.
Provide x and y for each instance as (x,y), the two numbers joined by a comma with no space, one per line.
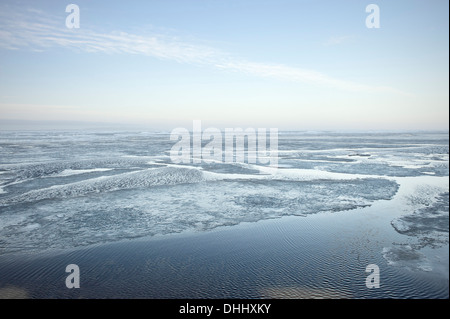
(40,32)
(36,31)
(287,73)
(338,40)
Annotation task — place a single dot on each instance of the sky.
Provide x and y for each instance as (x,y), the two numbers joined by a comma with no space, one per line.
(286,64)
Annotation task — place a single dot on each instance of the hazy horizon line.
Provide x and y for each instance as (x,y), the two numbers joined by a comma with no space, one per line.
(61,125)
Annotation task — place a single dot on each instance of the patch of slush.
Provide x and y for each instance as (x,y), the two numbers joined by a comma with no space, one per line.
(426,227)
(429,222)
(70,172)
(406,256)
(143,178)
(22,172)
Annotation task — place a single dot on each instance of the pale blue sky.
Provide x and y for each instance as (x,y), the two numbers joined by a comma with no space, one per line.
(304,65)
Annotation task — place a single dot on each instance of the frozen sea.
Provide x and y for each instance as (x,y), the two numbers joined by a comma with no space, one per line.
(140,226)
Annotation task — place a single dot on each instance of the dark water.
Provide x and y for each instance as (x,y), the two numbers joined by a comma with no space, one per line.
(320,256)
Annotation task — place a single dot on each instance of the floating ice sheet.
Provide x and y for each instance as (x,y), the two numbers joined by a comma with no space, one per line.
(169,200)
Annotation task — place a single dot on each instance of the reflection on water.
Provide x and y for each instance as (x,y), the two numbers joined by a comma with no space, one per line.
(11,292)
